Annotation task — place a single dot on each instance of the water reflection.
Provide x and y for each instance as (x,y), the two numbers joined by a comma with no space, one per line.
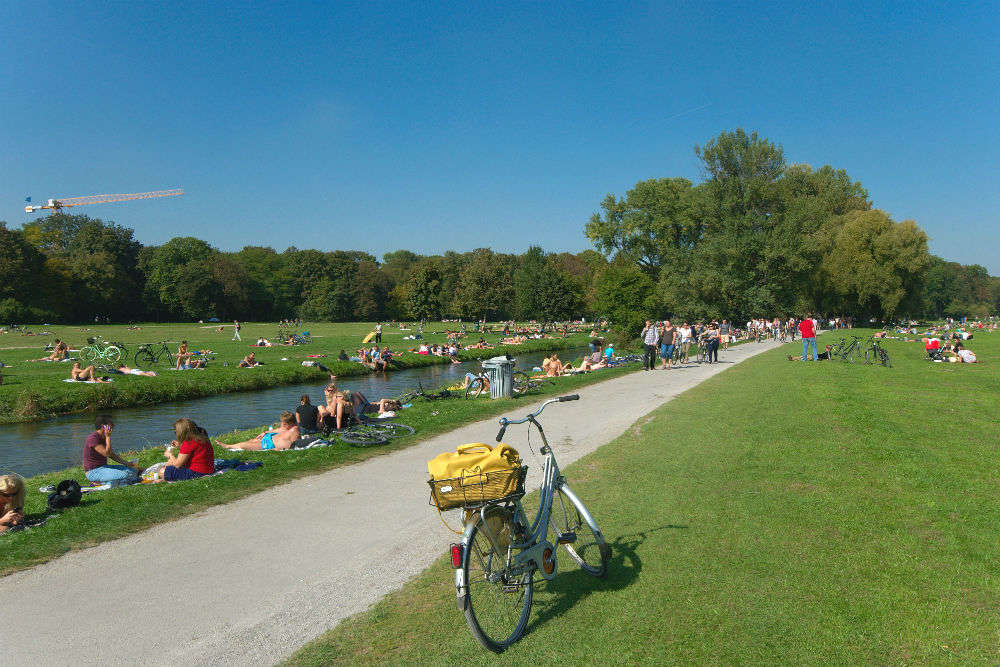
(39,447)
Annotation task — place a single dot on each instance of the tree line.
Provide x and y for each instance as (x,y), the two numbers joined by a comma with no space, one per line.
(758,237)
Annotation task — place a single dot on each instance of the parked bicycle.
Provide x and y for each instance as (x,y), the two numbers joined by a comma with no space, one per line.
(102,351)
(501,551)
(420,392)
(875,353)
(151,353)
(522,384)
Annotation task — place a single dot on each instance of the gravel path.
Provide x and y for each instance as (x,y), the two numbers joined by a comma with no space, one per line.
(250,582)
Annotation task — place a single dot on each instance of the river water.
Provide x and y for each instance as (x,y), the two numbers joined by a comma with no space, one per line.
(39,447)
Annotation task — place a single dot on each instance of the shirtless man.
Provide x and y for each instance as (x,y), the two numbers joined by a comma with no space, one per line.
(60,352)
(84,374)
(183,356)
(283,438)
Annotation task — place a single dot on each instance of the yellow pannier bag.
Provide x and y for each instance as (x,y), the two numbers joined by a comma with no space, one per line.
(474,474)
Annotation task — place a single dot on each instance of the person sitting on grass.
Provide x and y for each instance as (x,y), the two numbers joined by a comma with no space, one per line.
(59,352)
(249,361)
(84,374)
(556,367)
(963,356)
(183,356)
(471,377)
(195,457)
(339,406)
(281,439)
(343,356)
(12,491)
(593,362)
(307,415)
(97,450)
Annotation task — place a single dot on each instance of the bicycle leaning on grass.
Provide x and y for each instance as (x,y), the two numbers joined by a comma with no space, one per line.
(501,551)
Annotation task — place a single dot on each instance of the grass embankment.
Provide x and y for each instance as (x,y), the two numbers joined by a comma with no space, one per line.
(35,390)
(778,513)
(107,515)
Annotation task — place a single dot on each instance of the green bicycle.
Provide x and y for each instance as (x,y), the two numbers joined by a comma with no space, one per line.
(102,351)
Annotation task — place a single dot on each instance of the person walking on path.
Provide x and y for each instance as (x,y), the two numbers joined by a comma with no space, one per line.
(668,340)
(378,333)
(96,452)
(724,331)
(808,332)
(650,336)
(236,330)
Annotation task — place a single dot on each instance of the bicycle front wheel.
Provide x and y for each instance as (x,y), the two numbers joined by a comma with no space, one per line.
(499,601)
(88,355)
(577,531)
(143,358)
(391,430)
(363,436)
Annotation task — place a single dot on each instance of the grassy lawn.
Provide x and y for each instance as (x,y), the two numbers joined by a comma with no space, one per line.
(110,514)
(779,512)
(35,390)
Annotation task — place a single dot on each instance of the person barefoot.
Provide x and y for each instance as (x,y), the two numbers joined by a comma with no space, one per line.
(283,438)
(84,374)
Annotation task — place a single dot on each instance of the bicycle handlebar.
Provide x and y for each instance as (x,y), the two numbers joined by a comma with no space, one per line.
(504,422)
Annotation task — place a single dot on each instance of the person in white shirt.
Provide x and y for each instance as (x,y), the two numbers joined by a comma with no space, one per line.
(650,336)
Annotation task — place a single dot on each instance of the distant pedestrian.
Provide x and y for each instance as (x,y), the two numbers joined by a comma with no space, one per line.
(236,330)
(378,333)
(650,337)
(807,329)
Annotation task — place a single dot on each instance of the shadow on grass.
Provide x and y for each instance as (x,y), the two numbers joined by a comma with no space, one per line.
(573,584)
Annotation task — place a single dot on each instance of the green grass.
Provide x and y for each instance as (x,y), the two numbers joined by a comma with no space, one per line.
(35,390)
(111,514)
(777,513)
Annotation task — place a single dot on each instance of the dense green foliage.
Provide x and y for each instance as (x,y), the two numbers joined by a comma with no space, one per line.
(762,238)
(758,237)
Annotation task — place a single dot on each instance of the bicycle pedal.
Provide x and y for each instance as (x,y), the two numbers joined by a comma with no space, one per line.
(566,538)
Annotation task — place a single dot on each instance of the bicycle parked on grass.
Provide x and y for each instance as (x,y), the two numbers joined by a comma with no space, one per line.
(876,353)
(151,353)
(500,552)
(420,392)
(102,351)
(522,384)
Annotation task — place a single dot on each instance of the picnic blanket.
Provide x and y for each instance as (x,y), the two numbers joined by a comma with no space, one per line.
(86,381)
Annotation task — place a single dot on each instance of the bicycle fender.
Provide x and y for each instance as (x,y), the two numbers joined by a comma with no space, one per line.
(461,588)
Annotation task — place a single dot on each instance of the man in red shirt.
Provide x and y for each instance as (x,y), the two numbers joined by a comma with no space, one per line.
(808,332)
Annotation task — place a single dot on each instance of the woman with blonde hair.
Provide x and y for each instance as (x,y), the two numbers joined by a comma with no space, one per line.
(195,456)
(11,501)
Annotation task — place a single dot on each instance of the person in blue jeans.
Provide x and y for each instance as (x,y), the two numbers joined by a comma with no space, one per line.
(96,452)
(808,332)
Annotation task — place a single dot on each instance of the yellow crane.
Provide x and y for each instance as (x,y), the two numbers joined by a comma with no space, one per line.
(56,204)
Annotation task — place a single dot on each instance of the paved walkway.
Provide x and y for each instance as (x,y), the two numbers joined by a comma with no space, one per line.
(250,582)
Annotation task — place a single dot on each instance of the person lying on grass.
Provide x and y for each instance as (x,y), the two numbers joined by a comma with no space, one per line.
(963,356)
(96,452)
(281,439)
(59,352)
(593,362)
(12,490)
(126,370)
(195,457)
(84,374)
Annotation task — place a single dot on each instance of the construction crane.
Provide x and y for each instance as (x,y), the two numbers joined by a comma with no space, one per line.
(55,204)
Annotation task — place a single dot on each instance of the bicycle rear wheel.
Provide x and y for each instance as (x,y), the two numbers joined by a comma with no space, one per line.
(143,358)
(577,531)
(113,354)
(391,430)
(363,436)
(88,355)
(499,600)
(884,358)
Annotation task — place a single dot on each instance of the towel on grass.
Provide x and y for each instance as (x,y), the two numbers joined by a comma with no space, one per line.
(86,381)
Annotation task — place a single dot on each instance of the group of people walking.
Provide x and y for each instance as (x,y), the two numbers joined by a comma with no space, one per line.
(673,344)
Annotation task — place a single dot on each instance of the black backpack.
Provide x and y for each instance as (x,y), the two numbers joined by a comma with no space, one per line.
(67,494)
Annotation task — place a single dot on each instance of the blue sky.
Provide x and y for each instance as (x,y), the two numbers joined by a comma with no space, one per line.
(380,126)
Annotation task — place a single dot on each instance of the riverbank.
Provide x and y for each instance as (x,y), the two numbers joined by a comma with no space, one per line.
(108,515)
(34,391)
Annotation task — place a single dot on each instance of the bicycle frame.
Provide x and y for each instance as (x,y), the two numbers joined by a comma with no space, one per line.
(537,553)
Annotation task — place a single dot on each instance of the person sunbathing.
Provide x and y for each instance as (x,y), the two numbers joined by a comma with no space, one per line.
(556,367)
(593,362)
(126,370)
(183,356)
(263,342)
(963,355)
(84,374)
(281,439)
(195,457)
(249,361)
(12,492)
(59,352)
(338,408)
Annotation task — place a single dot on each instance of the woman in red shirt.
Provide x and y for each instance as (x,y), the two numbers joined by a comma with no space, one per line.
(195,457)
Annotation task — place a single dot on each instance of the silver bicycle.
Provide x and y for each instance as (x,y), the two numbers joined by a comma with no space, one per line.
(501,551)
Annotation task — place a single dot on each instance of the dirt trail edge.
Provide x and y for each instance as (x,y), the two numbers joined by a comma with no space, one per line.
(250,582)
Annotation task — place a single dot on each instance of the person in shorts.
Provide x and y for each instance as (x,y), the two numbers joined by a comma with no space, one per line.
(668,340)
(724,331)
(281,439)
